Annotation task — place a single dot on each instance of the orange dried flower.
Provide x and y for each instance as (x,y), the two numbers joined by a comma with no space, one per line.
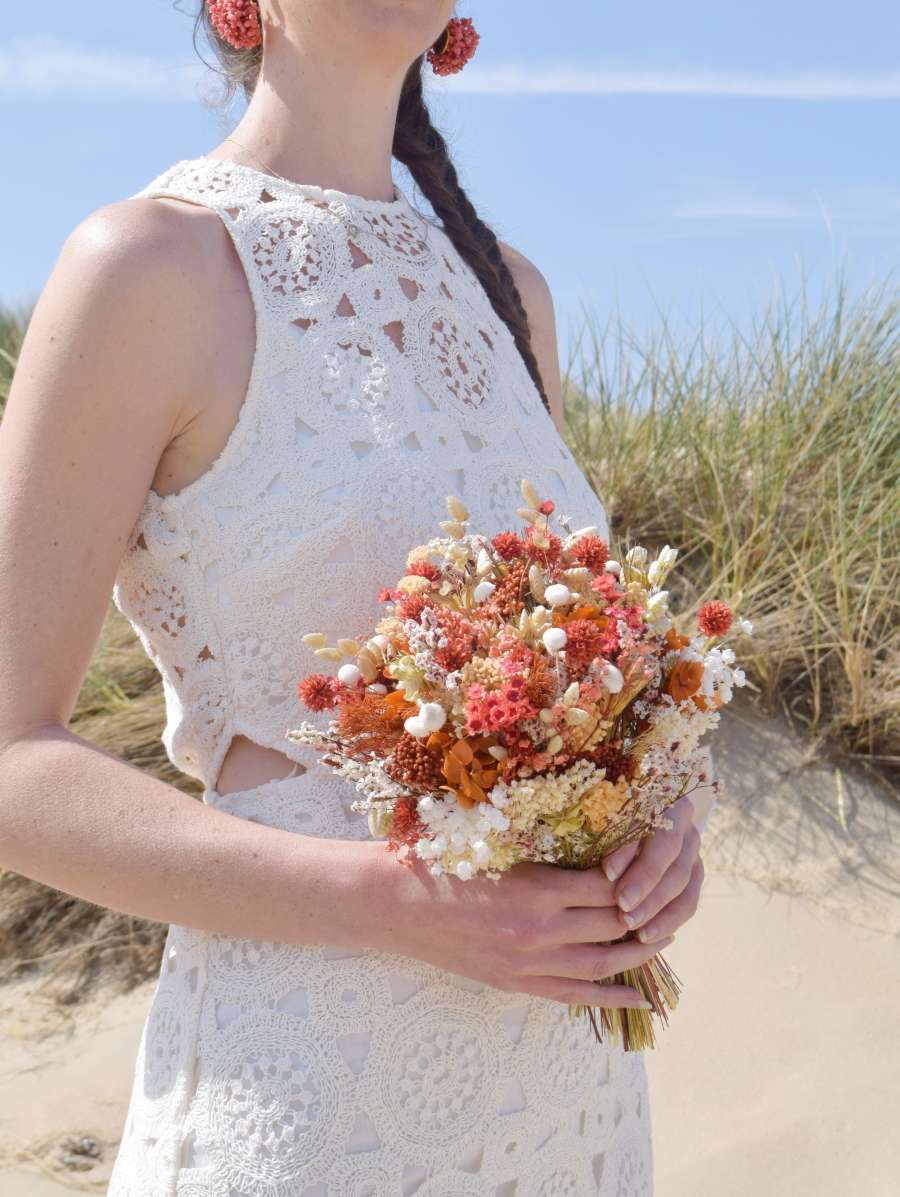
(675,640)
(684,680)
(541,685)
(414,763)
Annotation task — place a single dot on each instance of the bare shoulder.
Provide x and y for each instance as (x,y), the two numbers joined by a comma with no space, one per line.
(538,301)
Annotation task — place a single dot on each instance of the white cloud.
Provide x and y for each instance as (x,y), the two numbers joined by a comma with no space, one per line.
(514,79)
(48,68)
(866,205)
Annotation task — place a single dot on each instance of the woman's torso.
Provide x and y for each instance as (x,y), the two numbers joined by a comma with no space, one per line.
(382,381)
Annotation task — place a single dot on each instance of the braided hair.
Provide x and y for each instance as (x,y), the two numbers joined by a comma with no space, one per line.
(423,151)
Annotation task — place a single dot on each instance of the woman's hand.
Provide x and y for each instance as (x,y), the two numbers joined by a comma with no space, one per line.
(657,882)
(538,930)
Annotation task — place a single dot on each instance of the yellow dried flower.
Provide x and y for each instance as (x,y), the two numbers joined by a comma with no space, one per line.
(414,584)
(484,670)
(419,553)
(603,802)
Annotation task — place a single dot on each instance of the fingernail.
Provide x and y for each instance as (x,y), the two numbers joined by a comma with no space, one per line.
(647,933)
(629,920)
(629,897)
(612,871)
(644,1006)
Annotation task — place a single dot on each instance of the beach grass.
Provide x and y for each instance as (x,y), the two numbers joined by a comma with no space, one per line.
(770,458)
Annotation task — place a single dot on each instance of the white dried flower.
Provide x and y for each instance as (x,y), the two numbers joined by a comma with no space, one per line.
(432,715)
(558,595)
(611,677)
(554,640)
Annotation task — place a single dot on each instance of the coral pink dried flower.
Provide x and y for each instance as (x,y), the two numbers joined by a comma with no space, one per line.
(607,586)
(714,618)
(592,552)
(319,691)
(236,22)
(424,569)
(546,556)
(456,48)
(508,545)
(584,641)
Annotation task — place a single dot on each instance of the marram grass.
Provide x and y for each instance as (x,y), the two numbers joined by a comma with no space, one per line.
(770,458)
(773,461)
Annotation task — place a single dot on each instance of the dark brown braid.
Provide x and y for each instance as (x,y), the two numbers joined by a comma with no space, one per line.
(423,151)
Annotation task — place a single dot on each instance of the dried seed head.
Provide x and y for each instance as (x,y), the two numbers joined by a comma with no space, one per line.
(314,640)
(368,664)
(537,583)
(457,509)
(348,647)
(529,494)
(329,654)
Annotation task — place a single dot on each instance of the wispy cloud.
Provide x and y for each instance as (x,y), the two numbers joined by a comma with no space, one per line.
(866,205)
(515,79)
(48,68)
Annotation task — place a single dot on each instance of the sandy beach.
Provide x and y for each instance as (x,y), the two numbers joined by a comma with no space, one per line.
(777,1075)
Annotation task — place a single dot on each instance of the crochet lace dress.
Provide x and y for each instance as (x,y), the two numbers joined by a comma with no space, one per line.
(382,381)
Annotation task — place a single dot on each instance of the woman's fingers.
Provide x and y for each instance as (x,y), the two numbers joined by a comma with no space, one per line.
(586,993)
(615,864)
(658,851)
(677,913)
(594,963)
(673,881)
(584,925)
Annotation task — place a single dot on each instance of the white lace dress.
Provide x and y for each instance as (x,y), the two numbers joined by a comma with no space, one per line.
(382,381)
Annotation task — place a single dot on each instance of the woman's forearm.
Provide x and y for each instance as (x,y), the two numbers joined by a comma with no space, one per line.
(86,822)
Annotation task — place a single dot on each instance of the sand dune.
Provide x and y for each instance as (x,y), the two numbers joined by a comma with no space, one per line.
(778,1074)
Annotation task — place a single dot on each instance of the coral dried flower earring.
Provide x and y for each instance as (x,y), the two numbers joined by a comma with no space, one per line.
(456,48)
(236,22)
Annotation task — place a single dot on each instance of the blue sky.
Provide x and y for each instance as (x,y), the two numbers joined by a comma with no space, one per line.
(654,157)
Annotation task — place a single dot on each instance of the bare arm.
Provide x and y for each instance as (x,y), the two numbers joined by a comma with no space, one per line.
(117,354)
(112,360)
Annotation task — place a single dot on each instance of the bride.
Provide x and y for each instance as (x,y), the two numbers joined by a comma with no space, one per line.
(244,394)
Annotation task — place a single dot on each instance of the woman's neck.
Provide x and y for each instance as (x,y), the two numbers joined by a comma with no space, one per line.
(313,120)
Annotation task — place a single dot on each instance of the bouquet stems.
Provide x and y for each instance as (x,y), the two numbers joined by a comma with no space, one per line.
(631,1029)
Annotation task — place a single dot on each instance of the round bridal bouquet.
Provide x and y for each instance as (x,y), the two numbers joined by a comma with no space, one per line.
(525,697)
